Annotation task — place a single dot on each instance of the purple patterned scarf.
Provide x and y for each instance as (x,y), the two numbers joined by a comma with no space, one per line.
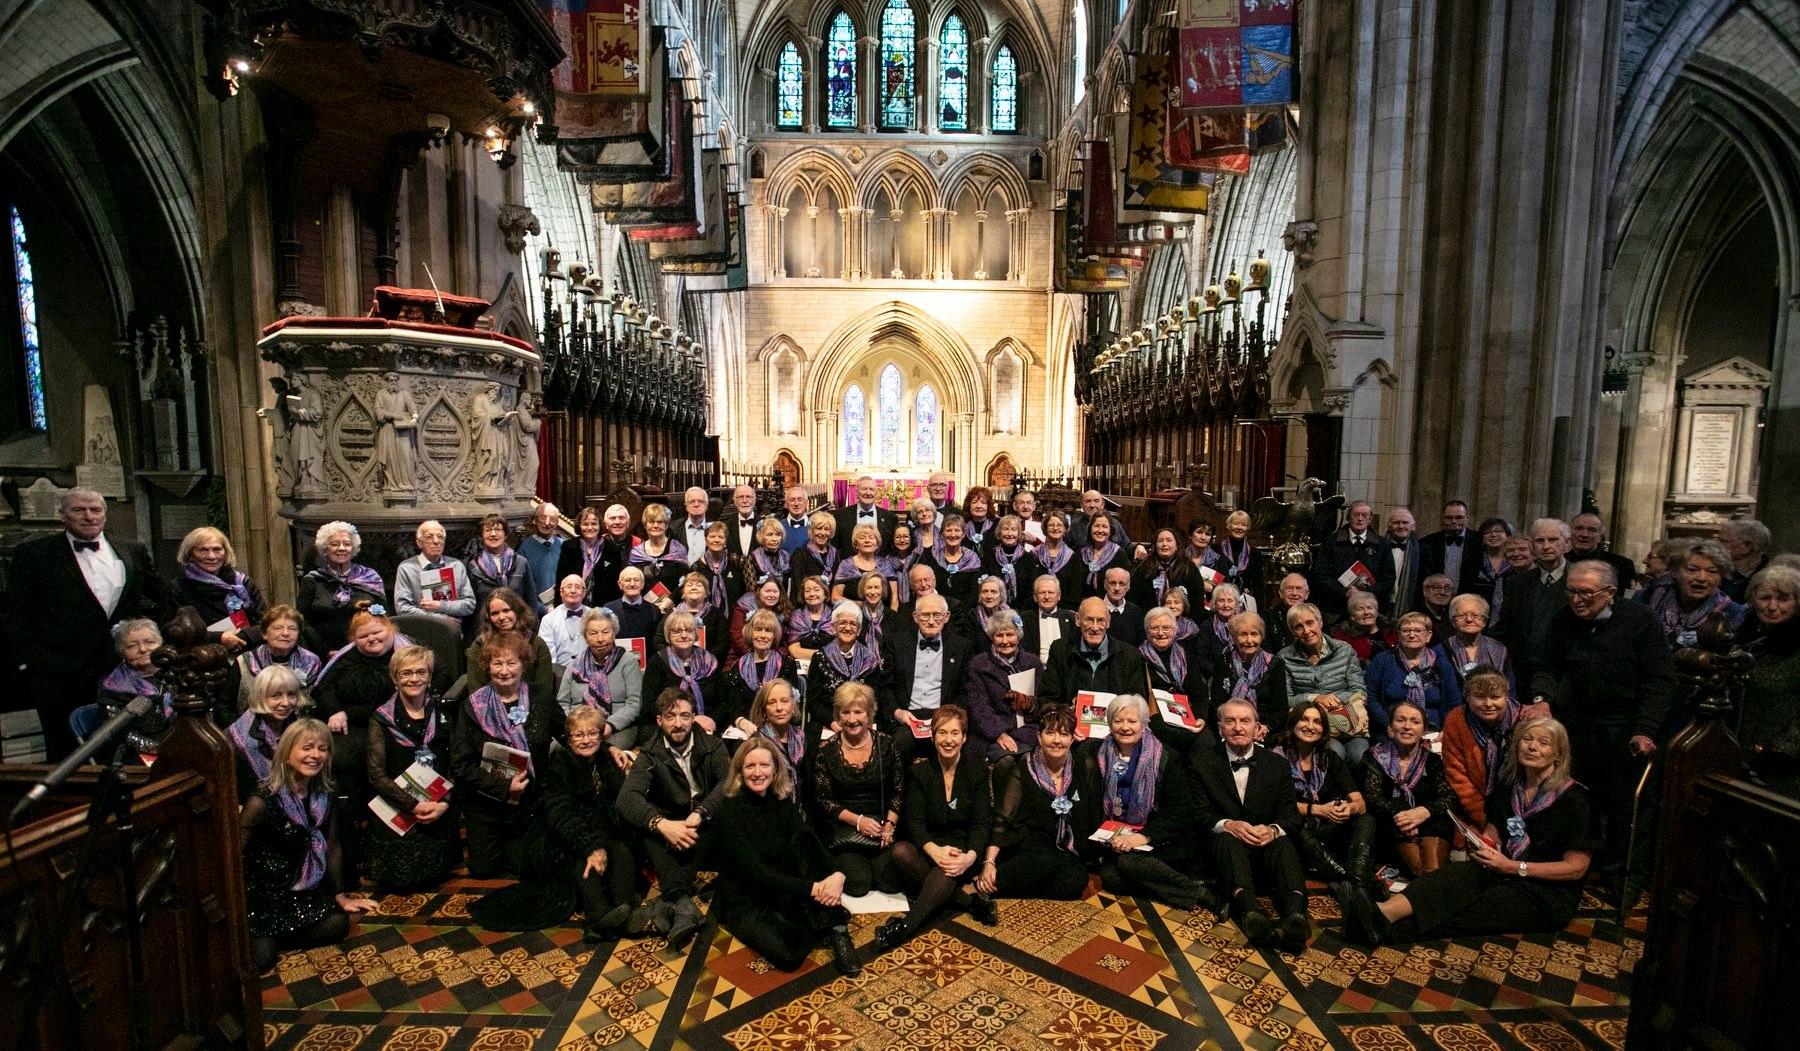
(793,745)
(755,673)
(237,588)
(1387,755)
(310,815)
(1307,783)
(802,623)
(256,737)
(1174,666)
(389,717)
(1053,563)
(300,660)
(357,578)
(1492,739)
(861,661)
(1098,562)
(1061,803)
(1488,650)
(1666,604)
(497,720)
(496,567)
(767,565)
(966,561)
(130,682)
(698,666)
(1244,680)
(1517,838)
(590,555)
(715,582)
(1240,558)
(1131,783)
(673,551)
(1009,571)
(827,559)
(593,674)
(1415,677)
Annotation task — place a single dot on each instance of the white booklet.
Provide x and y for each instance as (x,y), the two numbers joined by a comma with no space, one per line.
(422,783)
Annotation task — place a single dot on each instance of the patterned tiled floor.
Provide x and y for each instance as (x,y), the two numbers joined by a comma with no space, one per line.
(1099,973)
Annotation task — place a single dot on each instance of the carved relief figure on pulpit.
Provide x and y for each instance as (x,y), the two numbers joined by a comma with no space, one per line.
(489,420)
(398,420)
(305,415)
(526,427)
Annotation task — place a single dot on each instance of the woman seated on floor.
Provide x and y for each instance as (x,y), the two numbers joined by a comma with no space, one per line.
(762,663)
(1045,805)
(1529,880)
(275,698)
(293,871)
(1403,783)
(949,813)
(857,783)
(1144,794)
(777,891)
(575,856)
(497,799)
(411,727)
(1338,833)
(1477,737)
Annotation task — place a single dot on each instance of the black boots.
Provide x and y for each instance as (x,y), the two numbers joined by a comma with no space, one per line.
(1363,923)
(685,925)
(1251,919)
(843,952)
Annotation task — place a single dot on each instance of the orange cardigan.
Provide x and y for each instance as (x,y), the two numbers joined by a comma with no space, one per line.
(1465,764)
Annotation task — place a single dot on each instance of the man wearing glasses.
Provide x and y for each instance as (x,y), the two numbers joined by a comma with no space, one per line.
(925,667)
(1608,675)
(1092,660)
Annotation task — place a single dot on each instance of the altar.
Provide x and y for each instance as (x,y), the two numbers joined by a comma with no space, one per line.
(896,491)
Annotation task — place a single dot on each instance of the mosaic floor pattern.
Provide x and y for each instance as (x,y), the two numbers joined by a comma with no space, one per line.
(1101,973)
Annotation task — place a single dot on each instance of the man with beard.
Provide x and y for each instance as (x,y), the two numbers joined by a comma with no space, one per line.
(677,780)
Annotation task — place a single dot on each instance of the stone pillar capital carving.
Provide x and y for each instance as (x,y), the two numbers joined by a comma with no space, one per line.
(516,223)
(1300,237)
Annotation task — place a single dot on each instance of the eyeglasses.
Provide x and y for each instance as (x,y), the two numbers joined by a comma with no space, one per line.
(1589,594)
(922,615)
(414,674)
(585,735)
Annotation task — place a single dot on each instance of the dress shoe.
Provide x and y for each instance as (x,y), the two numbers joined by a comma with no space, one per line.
(1296,931)
(607,925)
(1256,925)
(892,934)
(1362,920)
(843,951)
(984,910)
(686,925)
(652,917)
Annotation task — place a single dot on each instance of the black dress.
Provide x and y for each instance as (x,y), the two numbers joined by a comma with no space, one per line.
(870,790)
(355,684)
(429,850)
(1463,898)
(275,850)
(1031,862)
(328,602)
(768,861)
(495,822)
(1384,798)
(575,818)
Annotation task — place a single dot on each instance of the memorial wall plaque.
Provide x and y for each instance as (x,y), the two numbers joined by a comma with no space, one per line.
(1712,444)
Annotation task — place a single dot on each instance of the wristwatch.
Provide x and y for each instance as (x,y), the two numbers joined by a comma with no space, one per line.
(1521,868)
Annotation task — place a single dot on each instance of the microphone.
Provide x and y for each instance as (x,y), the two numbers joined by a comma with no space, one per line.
(112,728)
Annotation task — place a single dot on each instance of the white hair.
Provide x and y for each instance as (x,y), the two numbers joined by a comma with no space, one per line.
(1558,524)
(322,538)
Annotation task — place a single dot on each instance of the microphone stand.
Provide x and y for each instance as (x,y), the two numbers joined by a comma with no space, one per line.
(114,794)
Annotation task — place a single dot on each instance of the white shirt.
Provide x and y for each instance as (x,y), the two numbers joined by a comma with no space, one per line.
(746,536)
(561,631)
(928,676)
(103,570)
(1240,776)
(696,539)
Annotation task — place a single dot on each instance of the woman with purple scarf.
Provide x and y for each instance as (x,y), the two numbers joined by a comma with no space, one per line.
(497,799)
(1046,804)
(293,871)
(606,677)
(761,664)
(276,697)
(1526,878)
(681,662)
(408,728)
(1250,673)
(846,658)
(1415,671)
(330,591)
(493,564)
(1098,555)
(134,677)
(1404,786)
(1154,840)
(282,627)
(228,602)
(1469,647)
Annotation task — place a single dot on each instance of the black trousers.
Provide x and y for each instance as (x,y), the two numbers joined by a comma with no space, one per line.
(616,886)
(1137,872)
(674,868)
(783,930)
(1463,898)
(496,834)
(864,871)
(1345,843)
(1039,872)
(1238,865)
(1603,762)
(55,696)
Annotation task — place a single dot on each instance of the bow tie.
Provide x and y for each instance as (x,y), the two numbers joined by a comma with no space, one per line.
(795,523)
(1453,541)
(573,613)
(931,644)
(87,545)
(1241,764)
(746,521)
(434,565)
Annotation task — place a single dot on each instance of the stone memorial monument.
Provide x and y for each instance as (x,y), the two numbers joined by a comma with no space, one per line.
(101,468)
(1714,459)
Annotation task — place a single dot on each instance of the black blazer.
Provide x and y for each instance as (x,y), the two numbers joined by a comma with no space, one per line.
(731,535)
(1431,556)
(56,625)
(1066,674)
(1340,553)
(900,653)
(1268,798)
(654,787)
(845,517)
(1525,617)
(929,817)
(1128,625)
(1031,634)
(603,582)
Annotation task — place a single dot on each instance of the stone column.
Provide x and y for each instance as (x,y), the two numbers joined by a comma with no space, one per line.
(776,217)
(868,63)
(853,217)
(926,104)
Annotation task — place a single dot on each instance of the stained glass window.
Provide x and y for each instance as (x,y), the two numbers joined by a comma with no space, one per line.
(1006,90)
(953,81)
(789,95)
(897,65)
(892,434)
(28,325)
(925,427)
(840,73)
(855,429)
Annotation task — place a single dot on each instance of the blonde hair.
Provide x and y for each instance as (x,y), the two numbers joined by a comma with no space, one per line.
(583,715)
(769,527)
(406,656)
(782,787)
(281,776)
(823,518)
(680,618)
(853,695)
(1559,740)
(857,533)
(1235,517)
(655,513)
(272,678)
(763,618)
(1414,617)
(759,705)
(193,539)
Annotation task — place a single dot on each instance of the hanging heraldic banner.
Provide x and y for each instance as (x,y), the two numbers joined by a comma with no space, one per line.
(1236,53)
(607,42)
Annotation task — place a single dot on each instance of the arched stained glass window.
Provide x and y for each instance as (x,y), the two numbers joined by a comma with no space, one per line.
(953,79)
(890,429)
(840,73)
(925,427)
(790,96)
(897,44)
(28,325)
(1006,90)
(855,427)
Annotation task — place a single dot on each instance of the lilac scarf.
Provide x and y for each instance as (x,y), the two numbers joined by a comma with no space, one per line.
(1415,677)
(1174,667)
(256,737)
(1387,755)
(1061,803)
(492,716)
(310,815)
(237,588)
(861,661)
(755,673)
(593,674)
(389,717)
(1246,679)
(1055,563)
(1488,650)
(129,682)
(1098,561)
(1221,630)
(301,661)
(357,578)
(964,562)
(1009,572)
(1240,558)
(698,666)
(1492,739)
(496,567)
(590,556)
(1307,783)
(801,623)
(793,745)
(715,582)
(1131,783)
(767,565)
(1667,608)
(1517,839)
(827,559)
(673,551)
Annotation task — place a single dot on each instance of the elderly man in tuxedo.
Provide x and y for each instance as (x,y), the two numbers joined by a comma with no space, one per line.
(1354,545)
(741,522)
(691,530)
(863,512)
(1245,796)
(64,593)
(1036,636)
(1407,557)
(925,669)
